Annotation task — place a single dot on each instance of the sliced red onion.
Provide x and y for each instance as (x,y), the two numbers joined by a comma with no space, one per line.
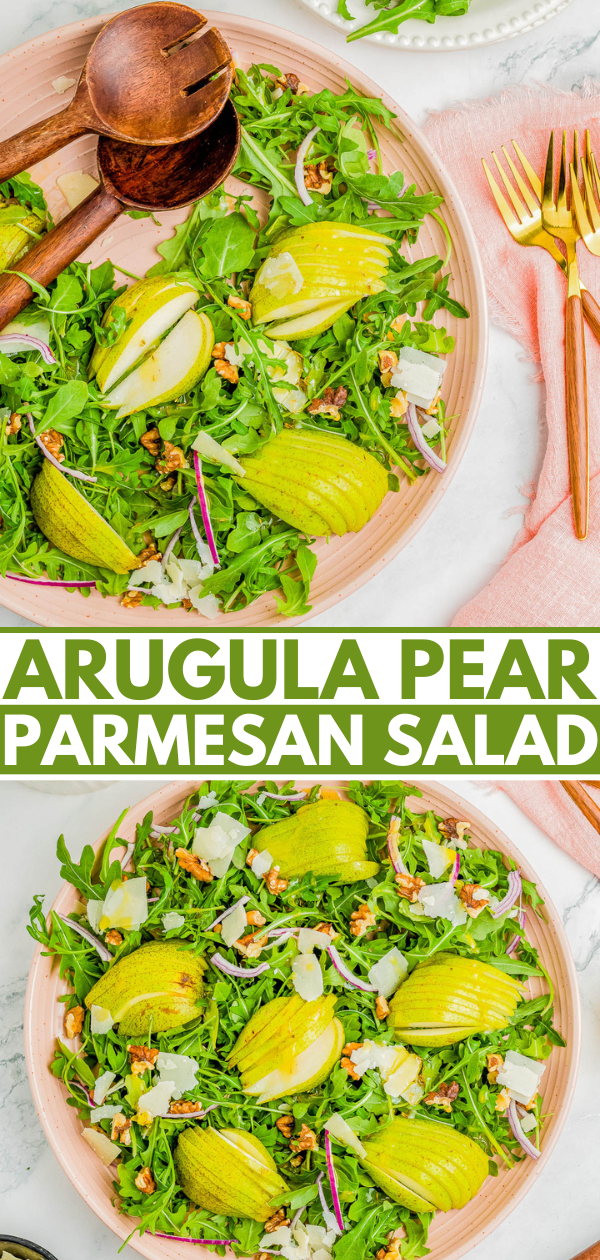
(371,154)
(24,341)
(392,844)
(303,192)
(169,547)
(242,902)
(514,945)
(72,472)
(455,869)
(347,974)
(16,577)
(84,1089)
(522,1139)
(337,1207)
(203,501)
(275,796)
(125,860)
(230,969)
(298,1216)
(101,949)
(204,1242)
(515,888)
(414,428)
(167,829)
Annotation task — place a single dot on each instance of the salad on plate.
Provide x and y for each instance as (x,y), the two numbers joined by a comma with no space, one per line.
(297,1022)
(185,440)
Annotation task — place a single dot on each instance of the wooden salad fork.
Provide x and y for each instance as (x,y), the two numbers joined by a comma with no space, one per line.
(558,220)
(588,807)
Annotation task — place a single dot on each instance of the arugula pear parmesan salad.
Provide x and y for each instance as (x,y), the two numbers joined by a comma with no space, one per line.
(184,441)
(297,1022)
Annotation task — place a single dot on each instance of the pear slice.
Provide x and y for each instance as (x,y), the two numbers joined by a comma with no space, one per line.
(228,1172)
(73,525)
(420,1162)
(176,366)
(159,986)
(309,1069)
(152,306)
(317,320)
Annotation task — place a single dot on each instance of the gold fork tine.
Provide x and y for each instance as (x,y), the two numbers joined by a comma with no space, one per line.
(531,203)
(532,175)
(517,204)
(503,206)
(548,192)
(561,200)
(586,214)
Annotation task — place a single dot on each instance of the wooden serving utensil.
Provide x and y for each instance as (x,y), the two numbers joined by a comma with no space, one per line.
(135,176)
(585,803)
(141,82)
(592,1253)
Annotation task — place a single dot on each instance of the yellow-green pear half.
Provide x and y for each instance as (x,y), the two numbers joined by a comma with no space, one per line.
(174,367)
(314,273)
(425,1165)
(328,837)
(450,998)
(16,238)
(159,986)
(289,1046)
(73,525)
(319,483)
(152,307)
(228,1172)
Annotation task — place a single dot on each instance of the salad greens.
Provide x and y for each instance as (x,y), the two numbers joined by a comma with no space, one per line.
(229,1002)
(391,15)
(218,248)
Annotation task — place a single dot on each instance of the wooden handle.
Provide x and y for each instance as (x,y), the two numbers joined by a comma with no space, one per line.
(43,138)
(591,311)
(589,809)
(577,414)
(592,1253)
(56,250)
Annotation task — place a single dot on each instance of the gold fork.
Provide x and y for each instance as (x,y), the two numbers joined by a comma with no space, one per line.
(557,219)
(586,212)
(524,220)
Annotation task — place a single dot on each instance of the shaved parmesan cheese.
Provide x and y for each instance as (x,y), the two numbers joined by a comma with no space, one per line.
(419,382)
(430,429)
(209,449)
(177,1070)
(281,275)
(62,84)
(439,901)
(309,939)
(307,977)
(233,926)
(105,1113)
(340,1129)
(94,911)
(528,1122)
(372,1054)
(389,972)
(75,186)
(412,355)
(172,920)
(278,1238)
(413,1094)
(521,1076)
(404,1076)
(102,1146)
(125,905)
(101,1021)
(439,858)
(216,843)
(102,1086)
(156,1101)
(207,605)
(262,863)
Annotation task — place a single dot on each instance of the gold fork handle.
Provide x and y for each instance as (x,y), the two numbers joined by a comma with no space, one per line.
(591,311)
(577,413)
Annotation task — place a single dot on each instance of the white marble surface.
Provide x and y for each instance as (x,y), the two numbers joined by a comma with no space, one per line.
(559,1217)
(464,543)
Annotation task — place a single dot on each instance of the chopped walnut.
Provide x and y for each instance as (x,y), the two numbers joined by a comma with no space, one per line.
(240,305)
(145,1181)
(431,410)
(251,946)
(346,1061)
(14,424)
(194,865)
(474,899)
(114,938)
(530,1106)
(361,920)
(53,442)
(275,1221)
(173,458)
(132,599)
(252,853)
(255,918)
(227,370)
(292,82)
(409,886)
(263,1255)
(74,1021)
(382,1008)
(306,1140)
(218,350)
(388,360)
(454,830)
(443,1096)
(285,1124)
(143,1059)
(398,323)
(297,1161)
(151,440)
(184,1108)
(503,1100)
(329,405)
(149,553)
(121,1129)
(319,177)
(493,1063)
(187,604)
(399,405)
(392,1251)
(327,929)
(274,883)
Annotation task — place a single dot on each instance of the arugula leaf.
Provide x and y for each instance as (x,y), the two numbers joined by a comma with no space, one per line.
(227,246)
(391,19)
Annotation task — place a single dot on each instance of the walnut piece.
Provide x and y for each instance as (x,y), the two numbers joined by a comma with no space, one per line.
(409,886)
(275,1221)
(346,1061)
(274,883)
(443,1096)
(243,308)
(392,1251)
(53,442)
(399,405)
(361,920)
(184,1108)
(453,829)
(218,350)
(327,929)
(114,938)
(331,402)
(151,440)
(292,82)
(121,1129)
(149,553)
(319,177)
(145,1181)
(502,1100)
(474,899)
(173,458)
(252,945)
(14,424)
(132,599)
(388,360)
(143,1059)
(227,370)
(255,918)
(74,1021)
(194,865)
(382,1007)
(306,1140)
(493,1063)
(252,853)
(285,1124)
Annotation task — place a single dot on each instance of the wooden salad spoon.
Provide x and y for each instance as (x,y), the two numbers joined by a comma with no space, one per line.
(592,1253)
(583,800)
(143,81)
(133,176)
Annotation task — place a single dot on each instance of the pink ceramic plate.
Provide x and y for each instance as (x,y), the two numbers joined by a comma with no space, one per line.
(452,1234)
(345,564)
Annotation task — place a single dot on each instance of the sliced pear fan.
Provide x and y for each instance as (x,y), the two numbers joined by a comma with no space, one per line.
(450,998)
(228,1172)
(151,306)
(175,367)
(425,1165)
(74,526)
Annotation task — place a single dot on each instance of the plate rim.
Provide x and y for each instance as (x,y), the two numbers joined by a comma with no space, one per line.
(460,807)
(414,38)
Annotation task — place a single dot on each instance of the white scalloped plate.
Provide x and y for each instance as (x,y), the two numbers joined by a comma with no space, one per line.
(487,22)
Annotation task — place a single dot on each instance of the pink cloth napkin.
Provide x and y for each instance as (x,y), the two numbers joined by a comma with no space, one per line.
(550,578)
(548,805)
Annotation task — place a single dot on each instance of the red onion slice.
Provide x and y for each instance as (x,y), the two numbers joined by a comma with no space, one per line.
(125,860)
(16,577)
(274,796)
(230,909)
(515,888)
(455,869)
(414,429)
(203,501)
(24,341)
(392,844)
(337,1207)
(522,1139)
(230,969)
(100,948)
(347,974)
(203,1242)
(303,192)
(72,472)
(169,547)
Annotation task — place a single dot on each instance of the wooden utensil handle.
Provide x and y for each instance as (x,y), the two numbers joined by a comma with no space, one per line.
(584,802)
(39,141)
(577,414)
(591,310)
(592,1253)
(56,250)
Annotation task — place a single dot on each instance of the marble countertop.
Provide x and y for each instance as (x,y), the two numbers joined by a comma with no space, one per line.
(559,1217)
(461,547)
